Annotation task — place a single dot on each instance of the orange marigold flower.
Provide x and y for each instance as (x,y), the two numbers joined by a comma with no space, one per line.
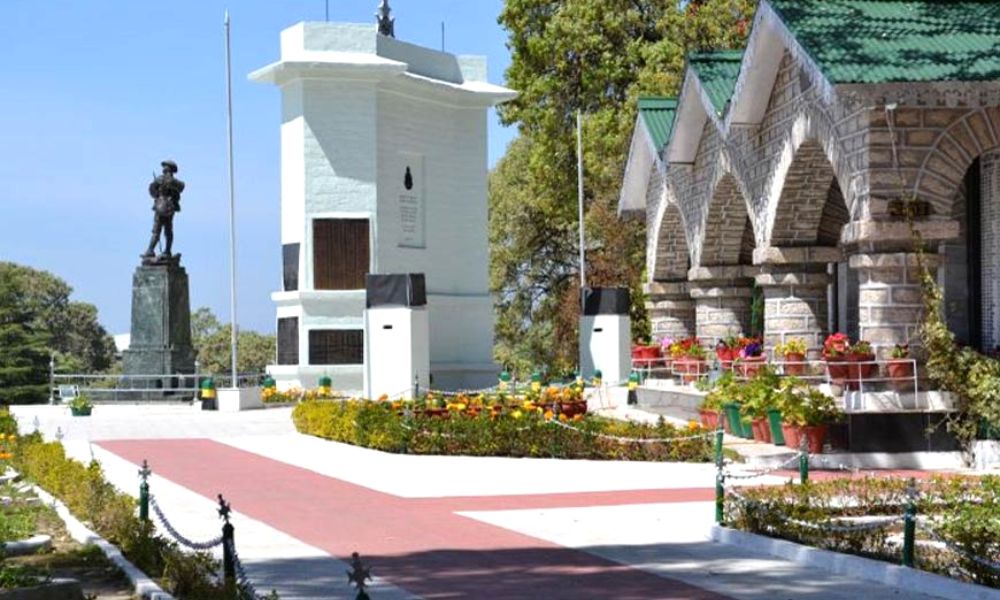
(563,417)
(577,417)
(548,415)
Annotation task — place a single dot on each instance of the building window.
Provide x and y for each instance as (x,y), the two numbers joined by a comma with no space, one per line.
(340,254)
(288,341)
(336,347)
(290,264)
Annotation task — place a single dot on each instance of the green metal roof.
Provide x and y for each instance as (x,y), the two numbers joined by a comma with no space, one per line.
(880,41)
(717,72)
(658,115)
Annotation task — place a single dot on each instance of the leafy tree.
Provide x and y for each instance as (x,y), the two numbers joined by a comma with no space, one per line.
(597,57)
(23,357)
(213,344)
(72,330)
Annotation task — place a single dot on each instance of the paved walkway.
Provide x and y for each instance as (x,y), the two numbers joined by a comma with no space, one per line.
(438,527)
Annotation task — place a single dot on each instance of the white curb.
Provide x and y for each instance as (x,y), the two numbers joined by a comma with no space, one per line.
(902,578)
(144,586)
(31,545)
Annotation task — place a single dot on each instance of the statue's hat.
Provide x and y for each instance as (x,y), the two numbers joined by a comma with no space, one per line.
(170,165)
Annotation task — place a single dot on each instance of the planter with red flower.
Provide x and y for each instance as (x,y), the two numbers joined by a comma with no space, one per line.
(727,350)
(793,355)
(688,359)
(861,365)
(835,350)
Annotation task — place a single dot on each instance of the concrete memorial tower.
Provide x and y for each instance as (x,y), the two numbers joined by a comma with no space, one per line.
(383,170)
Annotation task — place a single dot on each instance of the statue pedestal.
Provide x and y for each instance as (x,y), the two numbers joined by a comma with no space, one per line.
(161,327)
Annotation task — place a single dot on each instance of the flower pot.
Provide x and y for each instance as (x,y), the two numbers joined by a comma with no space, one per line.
(795,364)
(732,423)
(749,367)
(815,435)
(858,370)
(774,424)
(791,434)
(726,357)
(761,431)
(81,412)
(838,368)
(707,417)
(746,427)
(900,371)
(689,368)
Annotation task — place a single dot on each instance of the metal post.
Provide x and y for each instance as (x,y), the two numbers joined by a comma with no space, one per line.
(144,473)
(579,184)
(803,459)
(909,523)
(720,490)
(416,386)
(228,544)
(234,328)
(52,378)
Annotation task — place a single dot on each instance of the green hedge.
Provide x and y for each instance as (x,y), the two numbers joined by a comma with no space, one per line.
(381,426)
(964,510)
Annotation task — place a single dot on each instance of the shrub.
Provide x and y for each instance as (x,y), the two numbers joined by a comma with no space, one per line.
(518,432)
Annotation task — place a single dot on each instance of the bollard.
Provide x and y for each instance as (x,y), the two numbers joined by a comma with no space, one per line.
(228,544)
(909,523)
(144,473)
(633,385)
(416,386)
(803,460)
(720,490)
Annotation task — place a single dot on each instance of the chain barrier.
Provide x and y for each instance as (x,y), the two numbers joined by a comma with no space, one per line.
(831,528)
(762,472)
(993,566)
(182,540)
(244,586)
(628,440)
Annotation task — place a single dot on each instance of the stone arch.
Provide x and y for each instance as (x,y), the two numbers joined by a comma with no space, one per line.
(954,150)
(810,210)
(671,256)
(727,237)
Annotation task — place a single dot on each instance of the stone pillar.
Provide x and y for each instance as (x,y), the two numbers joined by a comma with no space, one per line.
(671,309)
(890,298)
(796,284)
(722,297)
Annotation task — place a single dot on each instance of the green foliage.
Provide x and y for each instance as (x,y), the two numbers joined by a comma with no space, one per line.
(594,56)
(70,329)
(522,433)
(961,509)
(24,374)
(212,342)
(81,402)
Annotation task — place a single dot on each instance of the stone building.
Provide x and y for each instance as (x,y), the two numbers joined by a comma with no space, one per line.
(383,170)
(783,172)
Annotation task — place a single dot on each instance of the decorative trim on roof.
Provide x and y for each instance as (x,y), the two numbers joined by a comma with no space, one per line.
(941,94)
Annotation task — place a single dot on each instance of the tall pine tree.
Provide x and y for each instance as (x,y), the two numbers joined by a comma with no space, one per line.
(23,358)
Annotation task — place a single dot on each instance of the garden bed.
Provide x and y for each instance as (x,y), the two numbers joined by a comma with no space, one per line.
(958,520)
(516,428)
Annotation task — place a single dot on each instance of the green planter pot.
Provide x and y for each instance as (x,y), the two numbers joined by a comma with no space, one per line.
(733,421)
(81,412)
(746,425)
(774,422)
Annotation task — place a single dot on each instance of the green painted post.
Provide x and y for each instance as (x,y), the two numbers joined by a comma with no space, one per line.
(909,524)
(144,473)
(720,490)
(803,460)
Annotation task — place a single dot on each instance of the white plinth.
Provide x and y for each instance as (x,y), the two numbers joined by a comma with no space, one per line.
(397,340)
(605,345)
(238,399)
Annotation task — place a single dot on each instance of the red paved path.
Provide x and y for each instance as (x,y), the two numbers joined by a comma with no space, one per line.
(417,544)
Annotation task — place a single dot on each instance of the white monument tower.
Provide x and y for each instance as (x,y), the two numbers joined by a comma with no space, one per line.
(383,171)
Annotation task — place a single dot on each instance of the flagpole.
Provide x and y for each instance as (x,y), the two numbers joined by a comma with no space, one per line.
(579,185)
(234,328)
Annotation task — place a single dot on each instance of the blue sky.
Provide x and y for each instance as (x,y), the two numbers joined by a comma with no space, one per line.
(96,93)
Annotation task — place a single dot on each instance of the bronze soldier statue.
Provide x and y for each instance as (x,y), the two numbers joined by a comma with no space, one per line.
(166,192)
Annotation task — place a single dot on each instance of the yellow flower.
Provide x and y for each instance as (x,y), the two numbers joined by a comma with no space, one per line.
(693,425)
(577,417)
(529,405)
(516,414)
(563,417)
(548,415)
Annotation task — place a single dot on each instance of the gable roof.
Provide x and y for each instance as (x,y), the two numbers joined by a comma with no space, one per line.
(884,41)
(717,71)
(657,114)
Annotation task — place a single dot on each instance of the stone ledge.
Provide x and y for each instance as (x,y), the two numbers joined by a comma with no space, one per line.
(894,260)
(773,255)
(733,274)
(666,288)
(897,231)
(817,280)
(713,291)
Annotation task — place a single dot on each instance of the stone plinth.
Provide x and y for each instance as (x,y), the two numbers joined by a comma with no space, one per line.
(890,298)
(795,282)
(161,323)
(671,309)
(722,298)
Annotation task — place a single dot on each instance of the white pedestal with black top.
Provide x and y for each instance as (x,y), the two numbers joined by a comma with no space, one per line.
(397,336)
(605,334)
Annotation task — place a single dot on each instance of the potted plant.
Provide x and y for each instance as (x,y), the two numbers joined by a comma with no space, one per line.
(861,364)
(791,407)
(835,349)
(726,351)
(900,366)
(689,359)
(818,411)
(793,353)
(81,406)
(751,357)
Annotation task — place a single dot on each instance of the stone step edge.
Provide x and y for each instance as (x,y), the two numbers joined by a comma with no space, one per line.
(144,586)
(898,576)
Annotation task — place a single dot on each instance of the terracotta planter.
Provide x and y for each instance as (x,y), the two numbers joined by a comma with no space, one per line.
(689,368)
(791,434)
(749,367)
(726,357)
(900,371)
(857,371)
(709,418)
(838,368)
(815,435)
(795,364)
(761,431)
